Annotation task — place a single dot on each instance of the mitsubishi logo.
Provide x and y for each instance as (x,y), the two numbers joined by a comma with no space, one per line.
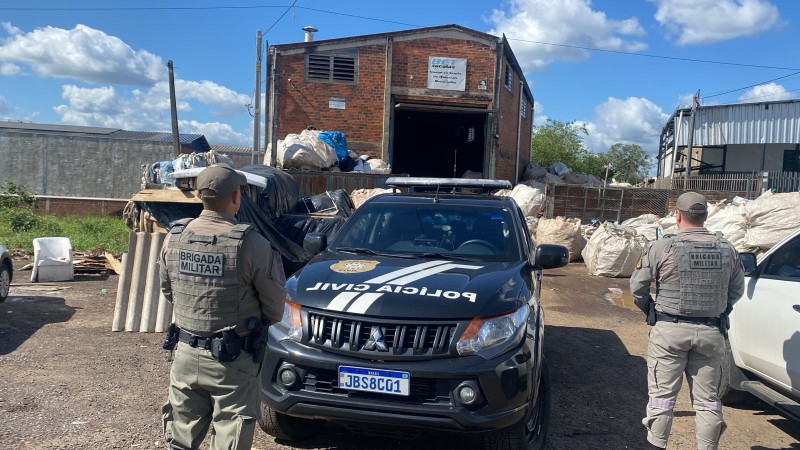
(375,341)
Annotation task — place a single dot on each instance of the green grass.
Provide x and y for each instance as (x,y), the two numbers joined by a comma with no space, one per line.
(19,226)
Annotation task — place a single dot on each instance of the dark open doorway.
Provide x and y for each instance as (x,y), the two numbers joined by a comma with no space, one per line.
(438,144)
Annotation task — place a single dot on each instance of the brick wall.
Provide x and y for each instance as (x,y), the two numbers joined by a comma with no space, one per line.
(303,103)
(410,63)
(509,126)
(79,206)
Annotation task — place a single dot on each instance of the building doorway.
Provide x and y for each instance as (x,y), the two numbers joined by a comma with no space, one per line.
(438,144)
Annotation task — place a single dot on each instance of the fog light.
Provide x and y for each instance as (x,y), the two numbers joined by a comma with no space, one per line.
(288,376)
(468,394)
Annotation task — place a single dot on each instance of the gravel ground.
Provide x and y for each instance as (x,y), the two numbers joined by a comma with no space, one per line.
(68,382)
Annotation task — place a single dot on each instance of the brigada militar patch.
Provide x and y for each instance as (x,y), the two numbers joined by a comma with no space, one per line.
(200,263)
(354,266)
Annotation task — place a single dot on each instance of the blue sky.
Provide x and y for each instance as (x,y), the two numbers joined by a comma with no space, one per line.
(103,63)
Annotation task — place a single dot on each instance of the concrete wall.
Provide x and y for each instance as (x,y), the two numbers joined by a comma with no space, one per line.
(79,166)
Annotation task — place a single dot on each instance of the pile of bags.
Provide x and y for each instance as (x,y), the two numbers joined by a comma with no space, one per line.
(317,150)
(613,250)
(558,173)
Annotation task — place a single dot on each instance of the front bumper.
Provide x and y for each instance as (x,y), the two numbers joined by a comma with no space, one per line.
(505,384)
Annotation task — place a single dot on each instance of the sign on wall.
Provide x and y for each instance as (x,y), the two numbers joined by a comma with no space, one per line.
(447,73)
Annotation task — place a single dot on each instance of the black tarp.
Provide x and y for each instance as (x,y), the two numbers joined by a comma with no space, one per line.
(271,214)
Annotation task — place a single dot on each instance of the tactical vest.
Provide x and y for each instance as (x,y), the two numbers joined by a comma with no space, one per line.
(204,271)
(703,271)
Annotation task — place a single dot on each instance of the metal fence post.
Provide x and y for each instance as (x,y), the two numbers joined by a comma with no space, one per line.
(764,181)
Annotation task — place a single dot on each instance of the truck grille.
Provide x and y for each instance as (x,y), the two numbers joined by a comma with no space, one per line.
(379,339)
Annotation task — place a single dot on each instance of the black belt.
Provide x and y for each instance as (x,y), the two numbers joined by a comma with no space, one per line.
(195,341)
(664,317)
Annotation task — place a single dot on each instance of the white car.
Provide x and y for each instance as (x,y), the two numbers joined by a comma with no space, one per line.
(765,329)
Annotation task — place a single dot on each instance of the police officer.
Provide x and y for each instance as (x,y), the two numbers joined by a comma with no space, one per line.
(698,278)
(224,282)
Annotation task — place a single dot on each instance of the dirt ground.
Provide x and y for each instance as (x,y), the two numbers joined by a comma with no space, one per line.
(68,382)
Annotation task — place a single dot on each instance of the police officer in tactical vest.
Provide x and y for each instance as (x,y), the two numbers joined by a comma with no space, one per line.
(225,283)
(698,278)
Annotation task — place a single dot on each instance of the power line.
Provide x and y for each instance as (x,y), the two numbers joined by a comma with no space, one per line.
(186,8)
(748,87)
(647,55)
(281,17)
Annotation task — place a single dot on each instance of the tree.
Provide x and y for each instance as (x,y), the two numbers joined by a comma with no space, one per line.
(629,162)
(558,141)
(563,142)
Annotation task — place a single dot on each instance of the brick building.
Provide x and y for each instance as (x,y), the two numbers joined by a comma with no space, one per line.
(434,101)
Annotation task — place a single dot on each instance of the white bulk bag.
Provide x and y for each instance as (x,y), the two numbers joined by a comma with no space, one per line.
(561,231)
(305,151)
(613,251)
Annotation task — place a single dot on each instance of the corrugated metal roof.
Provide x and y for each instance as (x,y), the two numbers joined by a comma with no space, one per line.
(750,123)
(233,149)
(75,129)
(196,141)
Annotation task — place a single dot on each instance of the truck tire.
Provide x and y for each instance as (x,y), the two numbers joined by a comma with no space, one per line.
(5,282)
(731,377)
(531,433)
(289,428)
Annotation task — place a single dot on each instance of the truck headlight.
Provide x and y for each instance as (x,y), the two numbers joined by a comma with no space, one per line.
(292,321)
(492,332)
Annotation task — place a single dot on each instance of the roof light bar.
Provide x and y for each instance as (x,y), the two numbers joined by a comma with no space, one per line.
(439,183)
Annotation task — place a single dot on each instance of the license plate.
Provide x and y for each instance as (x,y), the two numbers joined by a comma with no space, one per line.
(374,380)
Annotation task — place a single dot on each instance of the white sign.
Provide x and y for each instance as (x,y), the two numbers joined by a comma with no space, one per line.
(336,103)
(447,73)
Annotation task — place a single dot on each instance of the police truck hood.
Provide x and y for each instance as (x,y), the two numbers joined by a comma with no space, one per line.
(436,288)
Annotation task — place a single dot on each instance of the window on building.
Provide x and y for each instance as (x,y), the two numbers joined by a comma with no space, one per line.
(791,160)
(331,68)
(523,106)
(509,78)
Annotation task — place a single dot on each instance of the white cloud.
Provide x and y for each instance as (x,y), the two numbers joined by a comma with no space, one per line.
(9,69)
(142,110)
(710,21)
(82,53)
(633,120)
(565,22)
(770,92)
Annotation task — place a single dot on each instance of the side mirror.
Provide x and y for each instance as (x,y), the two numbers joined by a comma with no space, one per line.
(748,262)
(551,256)
(315,243)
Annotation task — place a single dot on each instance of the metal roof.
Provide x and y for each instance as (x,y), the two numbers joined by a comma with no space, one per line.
(196,140)
(75,129)
(749,123)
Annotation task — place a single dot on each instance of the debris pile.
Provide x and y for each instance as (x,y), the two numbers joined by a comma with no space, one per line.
(316,150)
(558,173)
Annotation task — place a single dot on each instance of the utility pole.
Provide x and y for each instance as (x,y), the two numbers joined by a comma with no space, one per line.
(257,114)
(176,140)
(695,104)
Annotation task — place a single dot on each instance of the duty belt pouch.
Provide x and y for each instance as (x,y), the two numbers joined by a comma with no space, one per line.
(227,348)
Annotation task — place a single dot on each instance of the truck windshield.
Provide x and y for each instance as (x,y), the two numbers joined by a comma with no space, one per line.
(458,231)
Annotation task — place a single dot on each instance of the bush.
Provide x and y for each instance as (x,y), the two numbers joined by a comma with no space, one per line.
(14,195)
(22,220)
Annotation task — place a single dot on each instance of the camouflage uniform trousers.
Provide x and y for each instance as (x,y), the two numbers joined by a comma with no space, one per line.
(699,351)
(203,390)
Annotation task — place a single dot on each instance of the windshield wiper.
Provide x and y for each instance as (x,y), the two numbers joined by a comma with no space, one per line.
(445,256)
(369,251)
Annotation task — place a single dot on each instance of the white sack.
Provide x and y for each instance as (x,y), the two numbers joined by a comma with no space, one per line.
(532,223)
(529,200)
(359,196)
(613,251)
(561,231)
(379,166)
(305,151)
(645,225)
(729,219)
(770,218)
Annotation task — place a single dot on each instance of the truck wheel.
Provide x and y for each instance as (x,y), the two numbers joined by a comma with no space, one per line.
(5,282)
(731,376)
(530,434)
(287,427)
